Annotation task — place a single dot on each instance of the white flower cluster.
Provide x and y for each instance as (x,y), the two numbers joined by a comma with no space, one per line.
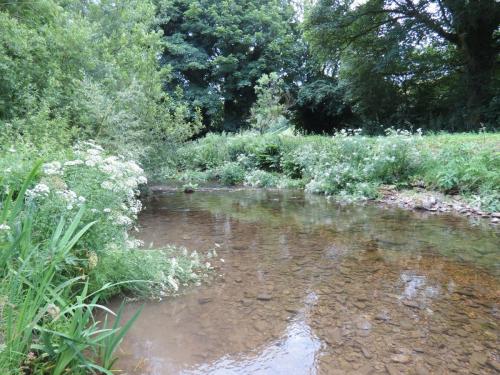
(122,177)
(348,133)
(72,163)
(134,244)
(4,227)
(72,199)
(107,184)
(39,191)
(53,169)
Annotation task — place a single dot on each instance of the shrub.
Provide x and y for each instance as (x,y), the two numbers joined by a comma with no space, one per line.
(231,173)
(261,179)
(156,273)
(54,271)
(268,155)
(46,318)
(354,165)
(107,185)
(269,112)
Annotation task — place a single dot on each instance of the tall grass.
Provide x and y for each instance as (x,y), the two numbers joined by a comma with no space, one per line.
(60,259)
(47,323)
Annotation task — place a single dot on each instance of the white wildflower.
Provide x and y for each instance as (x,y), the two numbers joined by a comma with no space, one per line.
(68,195)
(173,262)
(173,282)
(40,190)
(72,163)
(108,185)
(94,151)
(4,227)
(123,220)
(52,169)
(131,182)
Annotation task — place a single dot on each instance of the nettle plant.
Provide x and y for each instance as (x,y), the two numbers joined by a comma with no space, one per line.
(107,185)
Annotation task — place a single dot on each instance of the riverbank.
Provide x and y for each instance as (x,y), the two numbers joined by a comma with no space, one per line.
(65,249)
(461,171)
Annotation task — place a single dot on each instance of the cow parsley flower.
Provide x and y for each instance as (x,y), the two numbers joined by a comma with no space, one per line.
(40,190)
(72,163)
(4,227)
(123,220)
(53,169)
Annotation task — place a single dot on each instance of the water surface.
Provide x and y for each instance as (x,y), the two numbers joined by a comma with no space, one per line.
(307,286)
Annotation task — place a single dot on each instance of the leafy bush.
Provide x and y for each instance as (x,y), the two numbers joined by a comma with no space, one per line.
(268,156)
(107,185)
(54,271)
(350,164)
(231,173)
(46,319)
(269,112)
(156,273)
(261,179)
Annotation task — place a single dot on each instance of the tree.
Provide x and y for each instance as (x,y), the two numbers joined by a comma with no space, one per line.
(269,112)
(91,68)
(217,50)
(468,27)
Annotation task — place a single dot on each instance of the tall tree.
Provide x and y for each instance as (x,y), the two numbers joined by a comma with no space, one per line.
(90,67)
(217,50)
(469,26)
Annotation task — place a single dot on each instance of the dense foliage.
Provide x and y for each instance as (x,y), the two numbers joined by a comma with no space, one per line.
(73,69)
(366,64)
(217,51)
(349,164)
(64,246)
(414,61)
(97,97)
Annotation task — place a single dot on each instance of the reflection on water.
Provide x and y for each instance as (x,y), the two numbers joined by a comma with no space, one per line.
(312,287)
(295,349)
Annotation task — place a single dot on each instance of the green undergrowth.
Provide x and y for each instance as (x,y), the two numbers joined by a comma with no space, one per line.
(66,214)
(348,164)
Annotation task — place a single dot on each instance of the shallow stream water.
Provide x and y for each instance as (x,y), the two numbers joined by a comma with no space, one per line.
(308,286)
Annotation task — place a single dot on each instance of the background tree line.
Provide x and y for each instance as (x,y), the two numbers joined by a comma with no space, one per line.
(141,72)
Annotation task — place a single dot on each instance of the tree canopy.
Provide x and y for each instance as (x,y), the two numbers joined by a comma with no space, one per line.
(409,55)
(138,72)
(217,50)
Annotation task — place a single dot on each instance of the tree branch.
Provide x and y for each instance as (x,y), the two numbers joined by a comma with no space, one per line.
(426,20)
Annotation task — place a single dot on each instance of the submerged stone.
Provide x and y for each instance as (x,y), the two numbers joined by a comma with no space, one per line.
(264,297)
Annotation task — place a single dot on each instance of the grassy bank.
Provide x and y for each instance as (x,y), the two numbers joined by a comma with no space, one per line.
(347,164)
(65,248)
